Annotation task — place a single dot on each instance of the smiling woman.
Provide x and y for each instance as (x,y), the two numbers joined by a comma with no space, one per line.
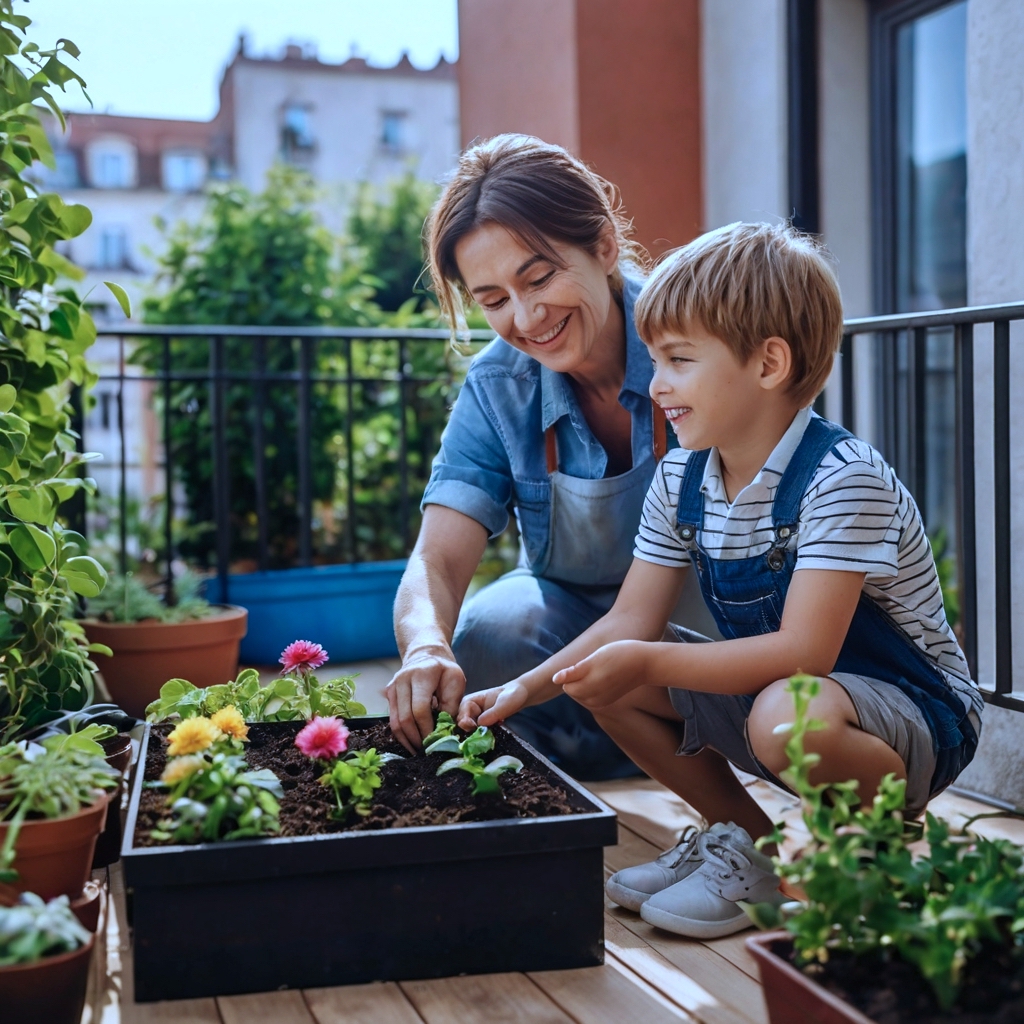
(554,423)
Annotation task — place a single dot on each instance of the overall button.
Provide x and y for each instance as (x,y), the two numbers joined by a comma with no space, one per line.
(776,559)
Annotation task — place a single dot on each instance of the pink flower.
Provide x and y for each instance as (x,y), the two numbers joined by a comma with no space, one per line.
(322,738)
(302,654)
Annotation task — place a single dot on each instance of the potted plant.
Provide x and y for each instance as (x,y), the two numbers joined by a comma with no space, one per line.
(150,642)
(889,930)
(342,815)
(44,961)
(53,802)
(44,656)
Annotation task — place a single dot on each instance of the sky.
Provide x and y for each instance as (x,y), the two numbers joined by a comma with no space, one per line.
(163,58)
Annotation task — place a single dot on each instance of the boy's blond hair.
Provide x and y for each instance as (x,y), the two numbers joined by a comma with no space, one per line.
(747,282)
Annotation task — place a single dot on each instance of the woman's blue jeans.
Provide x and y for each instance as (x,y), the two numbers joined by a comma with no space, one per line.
(510,627)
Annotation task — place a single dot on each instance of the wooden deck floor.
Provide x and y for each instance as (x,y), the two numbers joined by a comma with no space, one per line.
(649,976)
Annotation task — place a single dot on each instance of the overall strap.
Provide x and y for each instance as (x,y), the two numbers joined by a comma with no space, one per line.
(659,439)
(820,437)
(690,511)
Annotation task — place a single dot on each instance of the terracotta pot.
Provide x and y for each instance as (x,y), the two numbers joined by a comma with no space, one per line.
(147,654)
(54,857)
(51,989)
(791,997)
(87,907)
(119,756)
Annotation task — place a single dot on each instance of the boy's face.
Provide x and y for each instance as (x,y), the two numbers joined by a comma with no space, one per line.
(706,393)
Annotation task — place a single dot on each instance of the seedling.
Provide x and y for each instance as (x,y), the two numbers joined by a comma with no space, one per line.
(445,727)
(470,759)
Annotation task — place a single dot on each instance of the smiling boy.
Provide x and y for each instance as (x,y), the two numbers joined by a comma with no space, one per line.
(812,557)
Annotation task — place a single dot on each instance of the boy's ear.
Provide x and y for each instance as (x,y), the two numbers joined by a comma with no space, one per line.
(776,363)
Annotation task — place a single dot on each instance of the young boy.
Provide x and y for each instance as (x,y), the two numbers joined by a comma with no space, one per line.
(812,557)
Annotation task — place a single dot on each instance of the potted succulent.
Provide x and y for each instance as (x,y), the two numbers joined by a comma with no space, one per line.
(53,802)
(44,961)
(150,642)
(889,929)
(252,805)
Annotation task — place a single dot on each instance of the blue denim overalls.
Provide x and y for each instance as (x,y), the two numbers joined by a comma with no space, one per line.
(747,596)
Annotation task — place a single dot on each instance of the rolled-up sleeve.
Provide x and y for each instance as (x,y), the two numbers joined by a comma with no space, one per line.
(471,472)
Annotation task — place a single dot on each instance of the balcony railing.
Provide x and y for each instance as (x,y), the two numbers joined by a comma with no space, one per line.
(980,430)
(897,392)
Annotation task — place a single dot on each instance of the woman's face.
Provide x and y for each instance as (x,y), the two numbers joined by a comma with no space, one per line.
(558,315)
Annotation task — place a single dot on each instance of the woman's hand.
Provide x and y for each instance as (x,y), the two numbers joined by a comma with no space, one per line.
(607,674)
(429,677)
(488,707)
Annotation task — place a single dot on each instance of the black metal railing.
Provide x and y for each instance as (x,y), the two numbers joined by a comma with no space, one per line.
(239,355)
(900,389)
(902,348)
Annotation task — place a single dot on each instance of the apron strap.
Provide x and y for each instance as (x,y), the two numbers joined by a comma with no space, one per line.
(659,439)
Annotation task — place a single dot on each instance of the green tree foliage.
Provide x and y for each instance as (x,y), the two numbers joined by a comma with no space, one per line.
(265,259)
(44,335)
(388,238)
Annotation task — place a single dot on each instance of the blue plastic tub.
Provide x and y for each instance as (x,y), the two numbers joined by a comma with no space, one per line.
(347,608)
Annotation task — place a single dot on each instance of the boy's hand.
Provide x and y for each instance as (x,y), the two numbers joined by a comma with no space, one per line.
(488,707)
(608,674)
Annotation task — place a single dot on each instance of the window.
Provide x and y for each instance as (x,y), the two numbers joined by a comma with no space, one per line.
(113,248)
(920,127)
(297,142)
(63,176)
(184,171)
(393,131)
(112,164)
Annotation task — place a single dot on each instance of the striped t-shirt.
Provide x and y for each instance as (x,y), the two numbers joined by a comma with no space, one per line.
(856,517)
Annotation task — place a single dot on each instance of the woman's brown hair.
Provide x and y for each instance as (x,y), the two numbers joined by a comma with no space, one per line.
(539,192)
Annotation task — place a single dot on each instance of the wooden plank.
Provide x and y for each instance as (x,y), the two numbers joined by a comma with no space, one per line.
(682,988)
(379,1003)
(956,809)
(631,849)
(649,809)
(713,972)
(734,949)
(120,1004)
(483,999)
(606,995)
(265,1008)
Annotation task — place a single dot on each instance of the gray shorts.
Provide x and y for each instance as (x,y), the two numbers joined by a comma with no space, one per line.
(719,721)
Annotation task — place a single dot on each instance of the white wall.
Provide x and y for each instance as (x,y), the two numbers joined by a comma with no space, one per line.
(744,79)
(345,120)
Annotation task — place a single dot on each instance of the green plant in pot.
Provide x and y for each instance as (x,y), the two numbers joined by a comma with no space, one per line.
(44,961)
(44,656)
(151,641)
(53,803)
(920,933)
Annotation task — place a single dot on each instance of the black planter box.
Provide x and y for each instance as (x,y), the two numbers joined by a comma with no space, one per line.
(523,894)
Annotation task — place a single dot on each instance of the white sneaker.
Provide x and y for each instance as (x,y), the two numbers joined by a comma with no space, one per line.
(632,887)
(706,903)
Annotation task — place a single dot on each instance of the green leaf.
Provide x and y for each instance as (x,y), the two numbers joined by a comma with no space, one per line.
(100,649)
(451,764)
(505,763)
(85,575)
(60,264)
(445,745)
(75,219)
(122,298)
(32,506)
(8,396)
(34,548)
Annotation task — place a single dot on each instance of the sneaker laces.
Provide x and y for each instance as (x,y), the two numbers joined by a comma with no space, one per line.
(728,871)
(685,849)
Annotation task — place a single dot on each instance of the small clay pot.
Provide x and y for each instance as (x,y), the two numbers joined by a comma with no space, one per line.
(147,654)
(50,990)
(54,857)
(119,756)
(791,997)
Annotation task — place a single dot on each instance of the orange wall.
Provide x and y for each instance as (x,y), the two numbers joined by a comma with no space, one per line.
(615,81)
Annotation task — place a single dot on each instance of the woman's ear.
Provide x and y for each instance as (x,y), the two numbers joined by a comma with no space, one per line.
(776,363)
(607,252)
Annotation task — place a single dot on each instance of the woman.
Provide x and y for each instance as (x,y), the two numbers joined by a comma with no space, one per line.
(554,421)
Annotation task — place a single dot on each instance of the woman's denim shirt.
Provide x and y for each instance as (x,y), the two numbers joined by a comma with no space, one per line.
(492,455)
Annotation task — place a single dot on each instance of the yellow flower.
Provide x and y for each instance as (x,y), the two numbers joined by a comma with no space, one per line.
(181,768)
(191,736)
(230,722)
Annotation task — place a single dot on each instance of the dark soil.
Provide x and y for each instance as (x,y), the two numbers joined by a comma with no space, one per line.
(411,792)
(891,991)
